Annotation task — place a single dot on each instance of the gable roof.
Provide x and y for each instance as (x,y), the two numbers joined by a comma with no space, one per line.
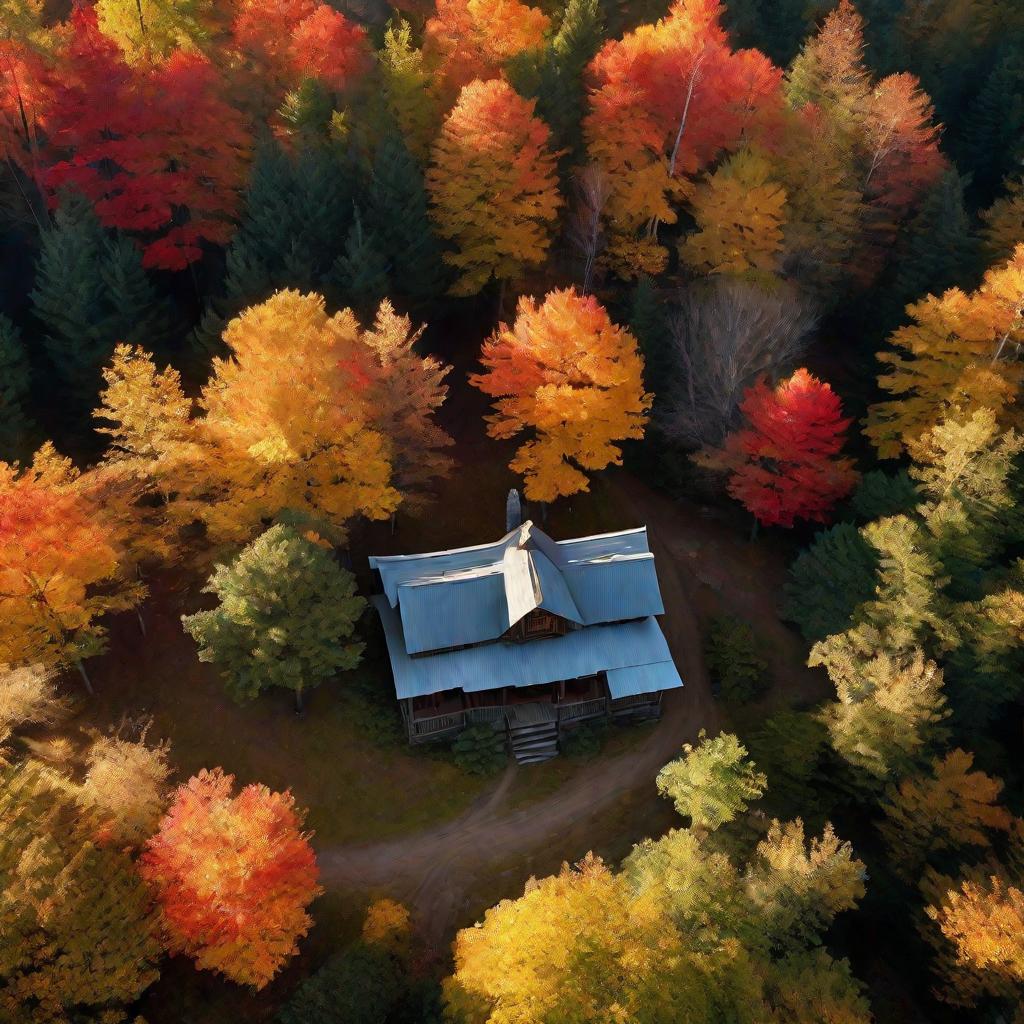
(474,594)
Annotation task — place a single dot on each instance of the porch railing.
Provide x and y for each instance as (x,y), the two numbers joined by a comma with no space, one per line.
(435,725)
(582,709)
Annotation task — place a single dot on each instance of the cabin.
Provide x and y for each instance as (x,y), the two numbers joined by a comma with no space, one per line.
(527,634)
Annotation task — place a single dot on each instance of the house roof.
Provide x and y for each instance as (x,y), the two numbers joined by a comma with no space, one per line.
(472,595)
(634,654)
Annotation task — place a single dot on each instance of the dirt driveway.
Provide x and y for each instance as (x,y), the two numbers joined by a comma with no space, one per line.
(442,873)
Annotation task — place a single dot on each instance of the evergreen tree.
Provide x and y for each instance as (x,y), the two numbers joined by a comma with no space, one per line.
(648,323)
(938,249)
(397,209)
(297,213)
(880,494)
(993,139)
(286,611)
(360,277)
(16,427)
(554,76)
(91,293)
(829,580)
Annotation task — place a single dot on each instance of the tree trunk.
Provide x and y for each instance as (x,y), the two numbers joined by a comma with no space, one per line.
(753,530)
(298,704)
(142,622)
(85,678)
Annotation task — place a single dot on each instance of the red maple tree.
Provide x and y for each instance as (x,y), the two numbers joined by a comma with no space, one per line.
(156,147)
(784,464)
(234,876)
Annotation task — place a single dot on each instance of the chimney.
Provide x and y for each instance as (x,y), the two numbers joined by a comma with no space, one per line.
(513,511)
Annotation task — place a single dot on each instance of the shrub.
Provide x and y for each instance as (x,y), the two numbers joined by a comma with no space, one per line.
(480,750)
(736,668)
(585,740)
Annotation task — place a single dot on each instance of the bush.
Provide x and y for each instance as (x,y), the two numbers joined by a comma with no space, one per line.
(362,985)
(585,740)
(736,669)
(480,750)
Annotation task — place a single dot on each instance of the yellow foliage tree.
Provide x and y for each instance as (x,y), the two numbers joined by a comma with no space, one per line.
(740,212)
(565,373)
(1004,222)
(978,932)
(493,186)
(950,807)
(149,30)
(406,90)
(959,355)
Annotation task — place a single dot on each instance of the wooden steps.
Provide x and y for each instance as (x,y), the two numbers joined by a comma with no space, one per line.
(533,732)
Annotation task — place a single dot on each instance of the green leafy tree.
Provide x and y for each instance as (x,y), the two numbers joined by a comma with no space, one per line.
(80,936)
(713,782)
(16,426)
(967,476)
(286,611)
(790,747)
(829,580)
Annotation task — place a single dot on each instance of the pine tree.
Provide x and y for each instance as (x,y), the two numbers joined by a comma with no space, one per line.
(992,145)
(69,299)
(91,293)
(937,249)
(829,580)
(360,278)
(16,427)
(397,208)
(554,75)
(880,494)
(648,323)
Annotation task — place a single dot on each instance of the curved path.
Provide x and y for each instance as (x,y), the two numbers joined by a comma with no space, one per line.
(431,871)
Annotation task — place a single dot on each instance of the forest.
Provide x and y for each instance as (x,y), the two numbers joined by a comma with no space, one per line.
(291,283)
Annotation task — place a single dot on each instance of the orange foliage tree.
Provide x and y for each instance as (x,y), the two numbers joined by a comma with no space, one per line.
(288,40)
(958,356)
(784,463)
(565,373)
(493,185)
(59,567)
(666,99)
(233,875)
(467,39)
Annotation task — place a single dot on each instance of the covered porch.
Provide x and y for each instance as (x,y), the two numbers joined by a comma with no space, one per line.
(566,703)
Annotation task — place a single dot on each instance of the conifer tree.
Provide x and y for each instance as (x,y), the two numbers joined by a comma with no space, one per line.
(1004,222)
(16,427)
(286,612)
(648,322)
(994,125)
(91,293)
(397,209)
(360,278)
(880,494)
(81,939)
(937,248)
(829,580)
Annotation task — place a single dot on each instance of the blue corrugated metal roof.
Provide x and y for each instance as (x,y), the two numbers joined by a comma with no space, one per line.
(636,679)
(472,595)
(452,612)
(619,588)
(555,595)
(582,652)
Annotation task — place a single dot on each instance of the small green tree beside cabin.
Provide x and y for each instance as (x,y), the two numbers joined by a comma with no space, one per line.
(286,616)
